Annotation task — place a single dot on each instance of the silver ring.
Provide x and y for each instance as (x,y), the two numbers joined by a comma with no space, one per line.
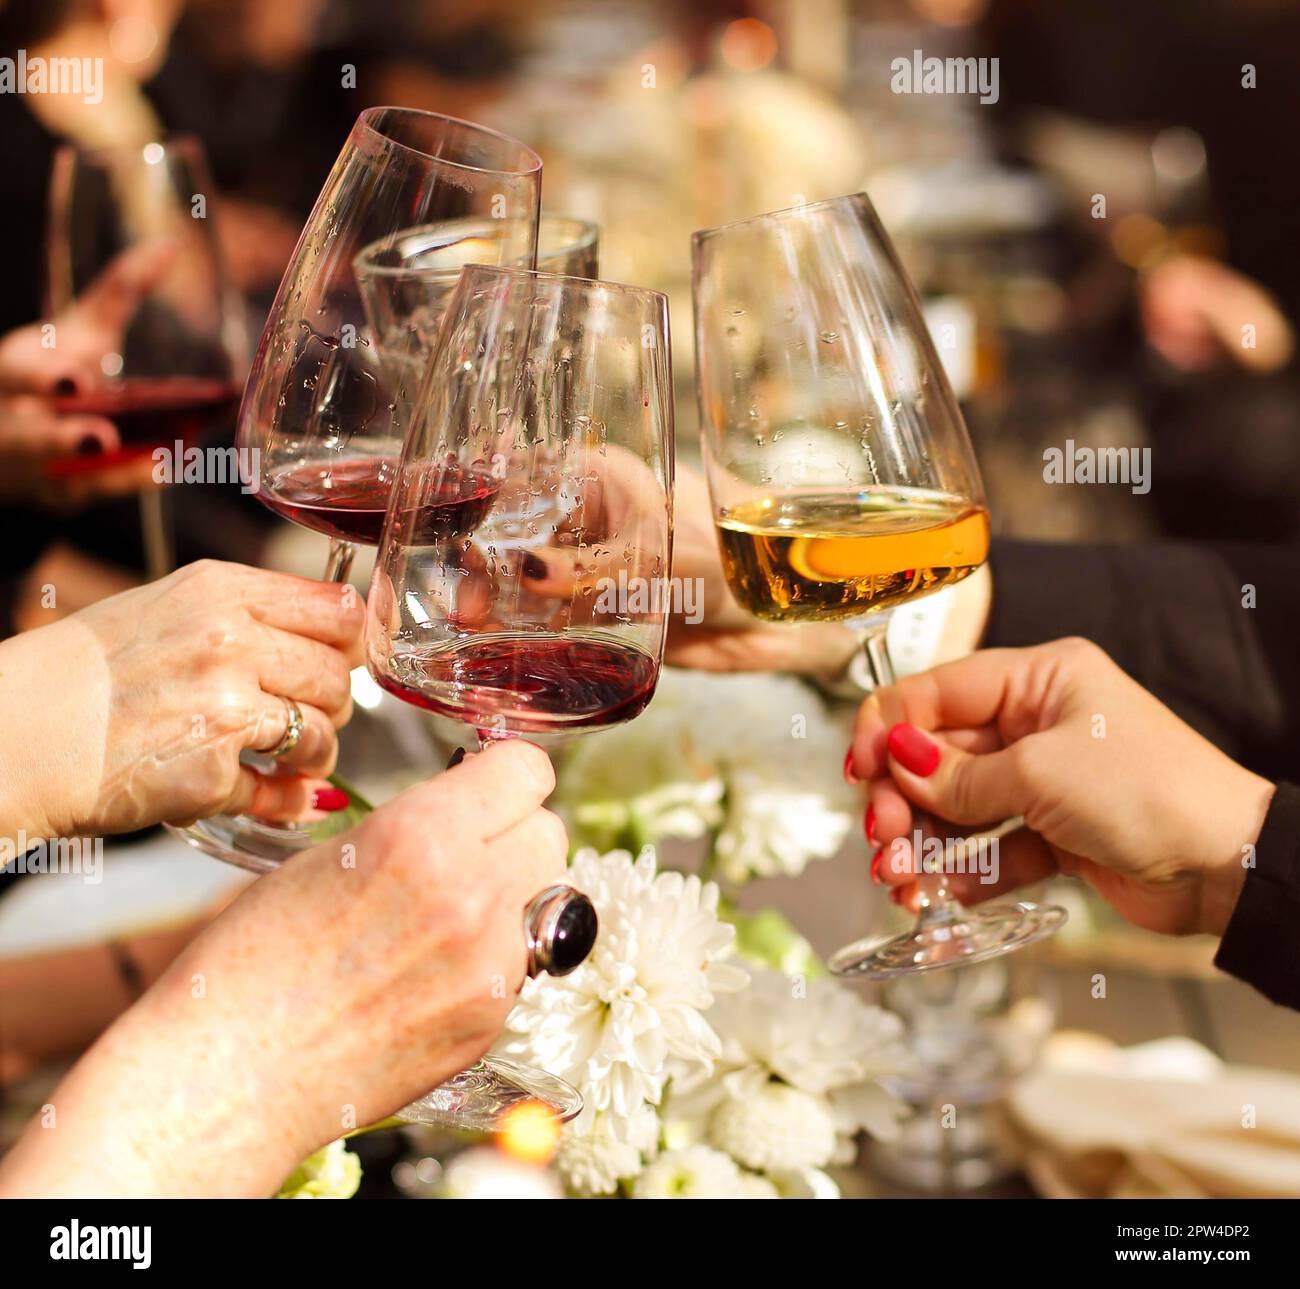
(560,927)
(293,732)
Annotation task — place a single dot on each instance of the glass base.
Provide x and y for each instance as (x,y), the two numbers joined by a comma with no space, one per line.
(250,843)
(476,1100)
(959,940)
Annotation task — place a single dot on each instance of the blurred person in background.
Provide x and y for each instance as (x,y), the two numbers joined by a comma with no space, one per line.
(83,539)
(1211,249)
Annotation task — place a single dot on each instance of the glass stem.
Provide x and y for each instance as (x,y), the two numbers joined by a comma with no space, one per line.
(935,903)
(339,565)
(159,558)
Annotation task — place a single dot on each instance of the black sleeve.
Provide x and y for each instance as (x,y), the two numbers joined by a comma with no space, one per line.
(1211,630)
(1262,943)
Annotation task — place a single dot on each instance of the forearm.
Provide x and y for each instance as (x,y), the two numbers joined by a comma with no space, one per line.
(52,734)
(177,1099)
(60,1002)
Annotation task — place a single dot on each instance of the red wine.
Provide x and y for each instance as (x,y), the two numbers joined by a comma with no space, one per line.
(150,413)
(529,684)
(347,498)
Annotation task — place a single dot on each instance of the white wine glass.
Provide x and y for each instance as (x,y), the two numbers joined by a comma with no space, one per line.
(842,478)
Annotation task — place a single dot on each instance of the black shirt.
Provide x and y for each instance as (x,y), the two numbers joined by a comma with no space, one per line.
(1212,631)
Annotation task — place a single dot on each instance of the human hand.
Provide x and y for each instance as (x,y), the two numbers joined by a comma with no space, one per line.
(135,710)
(46,361)
(1114,788)
(333,992)
(1194,309)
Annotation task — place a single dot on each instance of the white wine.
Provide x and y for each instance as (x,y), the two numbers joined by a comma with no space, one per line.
(828,557)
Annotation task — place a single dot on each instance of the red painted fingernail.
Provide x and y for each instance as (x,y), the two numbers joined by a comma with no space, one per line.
(849,776)
(876,860)
(871,824)
(329,799)
(897,895)
(913,751)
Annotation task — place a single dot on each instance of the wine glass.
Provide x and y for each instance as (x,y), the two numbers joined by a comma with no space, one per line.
(842,478)
(521,583)
(406,279)
(134,224)
(324,415)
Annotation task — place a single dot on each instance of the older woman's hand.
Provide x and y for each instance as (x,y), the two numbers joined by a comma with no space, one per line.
(135,711)
(331,993)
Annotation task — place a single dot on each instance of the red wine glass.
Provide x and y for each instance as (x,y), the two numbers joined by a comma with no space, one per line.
(131,238)
(522,580)
(324,416)
(521,585)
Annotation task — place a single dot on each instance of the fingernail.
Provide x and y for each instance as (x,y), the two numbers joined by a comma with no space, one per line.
(897,895)
(913,751)
(870,824)
(65,386)
(849,776)
(90,446)
(329,799)
(455,758)
(535,569)
(876,860)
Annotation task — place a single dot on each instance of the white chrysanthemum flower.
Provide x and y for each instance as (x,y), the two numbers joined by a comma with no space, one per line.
(753,1186)
(814,1036)
(778,1129)
(488,1173)
(638,1002)
(752,758)
(597,1151)
(694,1173)
(333,1172)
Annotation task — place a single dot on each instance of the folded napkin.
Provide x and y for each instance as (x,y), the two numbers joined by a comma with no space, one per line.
(1161,1120)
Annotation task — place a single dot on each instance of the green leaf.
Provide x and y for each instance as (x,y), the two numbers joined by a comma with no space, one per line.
(341,820)
(769,939)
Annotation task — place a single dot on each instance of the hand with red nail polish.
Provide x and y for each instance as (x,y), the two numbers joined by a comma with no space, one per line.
(329,799)
(913,750)
(1115,789)
(142,704)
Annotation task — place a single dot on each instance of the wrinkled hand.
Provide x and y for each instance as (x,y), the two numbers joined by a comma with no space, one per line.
(134,711)
(328,995)
(1114,788)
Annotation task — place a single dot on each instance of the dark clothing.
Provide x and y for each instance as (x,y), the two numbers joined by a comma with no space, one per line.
(1262,943)
(1213,632)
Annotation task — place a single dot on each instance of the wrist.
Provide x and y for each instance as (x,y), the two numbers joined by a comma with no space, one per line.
(53,732)
(1225,869)
(183,1096)
(25,788)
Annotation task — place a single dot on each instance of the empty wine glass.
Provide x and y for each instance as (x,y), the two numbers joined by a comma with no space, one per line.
(842,478)
(407,278)
(134,225)
(321,421)
(521,582)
